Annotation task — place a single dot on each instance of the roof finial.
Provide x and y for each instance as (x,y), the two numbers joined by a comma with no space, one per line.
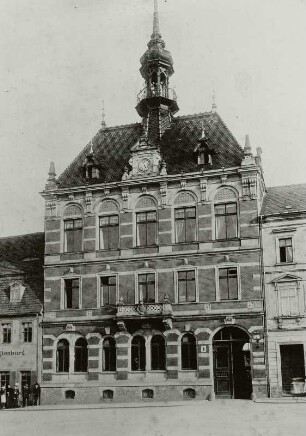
(103,123)
(90,151)
(156,32)
(247,146)
(214,106)
(203,136)
(51,181)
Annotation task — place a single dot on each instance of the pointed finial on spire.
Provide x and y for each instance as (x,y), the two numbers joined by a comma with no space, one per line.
(156,32)
(214,106)
(247,146)
(103,123)
(51,181)
(203,136)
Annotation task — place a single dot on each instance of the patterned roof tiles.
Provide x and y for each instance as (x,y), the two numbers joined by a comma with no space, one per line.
(284,199)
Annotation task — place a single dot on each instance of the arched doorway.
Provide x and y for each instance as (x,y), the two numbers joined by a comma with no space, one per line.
(232,367)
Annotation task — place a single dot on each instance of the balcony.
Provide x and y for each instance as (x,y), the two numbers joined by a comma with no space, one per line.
(157,91)
(154,97)
(144,310)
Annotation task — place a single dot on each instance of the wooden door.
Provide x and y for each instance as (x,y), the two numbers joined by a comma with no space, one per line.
(292,363)
(223,370)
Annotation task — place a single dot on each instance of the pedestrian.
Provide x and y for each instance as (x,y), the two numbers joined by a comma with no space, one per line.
(2,396)
(9,396)
(15,402)
(25,395)
(36,394)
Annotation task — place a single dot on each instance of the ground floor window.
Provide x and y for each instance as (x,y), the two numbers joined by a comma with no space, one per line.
(80,355)
(62,356)
(138,354)
(292,365)
(4,378)
(109,354)
(189,352)
(25,378)
(158,353)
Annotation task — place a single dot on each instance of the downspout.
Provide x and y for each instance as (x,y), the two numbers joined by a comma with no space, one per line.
(263,287)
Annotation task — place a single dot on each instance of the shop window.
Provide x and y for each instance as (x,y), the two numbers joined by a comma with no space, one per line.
(226,220)
(25,378)
(138,354)
(62,356)
(147,393)
(189,393)
(6,333)
(109,354)
(72,293)
(27,331)
(109,232)
(73,230)
(146,287)
(285,250)
(188,352)
(108,290)
(158,353)
(186,286)
(80,355)
(146,225)
(228,284)
(185,224)
(4,378)
(69,395)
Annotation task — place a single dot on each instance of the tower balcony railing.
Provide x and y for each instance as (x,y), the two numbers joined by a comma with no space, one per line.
(157,91)
(144,309)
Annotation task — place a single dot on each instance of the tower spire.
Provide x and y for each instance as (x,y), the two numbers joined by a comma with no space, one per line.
(214,105)
(103,123)
(156,32)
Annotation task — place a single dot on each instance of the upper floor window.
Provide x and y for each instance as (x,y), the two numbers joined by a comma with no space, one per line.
(6,333)
(71,293)
(185,224)
(288,299)
(146,228)
(27,331)
(285,250)
(226,221)
(109,232)
(108,290)
(146,287)
(186,286)
(228,283)
(73,228)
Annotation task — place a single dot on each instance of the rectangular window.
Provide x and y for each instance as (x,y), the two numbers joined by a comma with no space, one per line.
(109,232)
(228,284)
(108,291)
(146,228)
(25,378)
(27,331)
(186,286)
(72,293)
(226,221)
(288,300)
(6,333)
(5,378)
(185,224)
(285,250)
(73,235)
(146,287)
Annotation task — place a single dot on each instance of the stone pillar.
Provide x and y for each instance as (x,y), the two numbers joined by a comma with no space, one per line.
(123,355)
(94,357)
(48,358)
(172,353)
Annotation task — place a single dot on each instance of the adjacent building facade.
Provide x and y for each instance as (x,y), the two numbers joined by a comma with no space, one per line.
(284,254)
(21,303)
(153,258)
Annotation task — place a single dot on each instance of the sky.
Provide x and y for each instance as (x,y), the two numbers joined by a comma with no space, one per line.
(61,58)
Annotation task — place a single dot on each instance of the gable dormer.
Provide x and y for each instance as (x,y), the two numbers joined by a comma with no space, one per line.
(16,292)
(90,165)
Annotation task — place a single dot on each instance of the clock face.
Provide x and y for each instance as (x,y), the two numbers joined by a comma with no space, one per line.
(144,165)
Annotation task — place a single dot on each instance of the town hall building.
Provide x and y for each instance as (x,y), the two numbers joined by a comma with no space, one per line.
(153,259)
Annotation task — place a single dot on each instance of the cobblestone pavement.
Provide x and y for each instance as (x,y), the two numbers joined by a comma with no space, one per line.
(224,418)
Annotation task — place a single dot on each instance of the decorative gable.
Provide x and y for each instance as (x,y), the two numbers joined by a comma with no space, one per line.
(16,292)
(284,278)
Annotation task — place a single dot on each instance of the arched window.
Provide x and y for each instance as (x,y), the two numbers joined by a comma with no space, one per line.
(146,222)
(226,218)
(189,352)
(185,218)
(62,356)
(138,354)
(80,355)
(109,354)
(108,226)
(73,228)
(158,352)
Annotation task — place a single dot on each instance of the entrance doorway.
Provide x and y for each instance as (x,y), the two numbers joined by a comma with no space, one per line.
(292,363)
(232,367)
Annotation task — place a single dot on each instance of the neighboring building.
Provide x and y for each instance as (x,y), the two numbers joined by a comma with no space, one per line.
(21,303)
(284,253)
(152,258)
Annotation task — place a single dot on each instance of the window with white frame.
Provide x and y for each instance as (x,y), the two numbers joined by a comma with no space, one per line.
(186,281)
(185,224)
(226,221)
(109,232)
(228,283)
(27,331)
(108,288)
(146,228)
(6,333)
(72,293)
(285,250)
(288,299)
(146,287)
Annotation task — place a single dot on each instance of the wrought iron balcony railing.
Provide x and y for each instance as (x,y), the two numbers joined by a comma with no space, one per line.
(144,309)
(157,91)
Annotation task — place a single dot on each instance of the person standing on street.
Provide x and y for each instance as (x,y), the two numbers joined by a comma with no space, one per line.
(36,394)
(15,396)
(2,396)
(9,396)
(25,395)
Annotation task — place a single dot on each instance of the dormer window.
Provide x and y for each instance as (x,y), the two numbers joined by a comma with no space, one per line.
(90,166)
(203,149)
(204,157)
(16,292)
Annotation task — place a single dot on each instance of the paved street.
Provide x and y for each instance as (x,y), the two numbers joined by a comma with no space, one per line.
(226,418)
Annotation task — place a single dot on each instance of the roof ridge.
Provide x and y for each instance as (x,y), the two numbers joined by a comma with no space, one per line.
(120,126)
(19,236)
(287,186)
(198,114)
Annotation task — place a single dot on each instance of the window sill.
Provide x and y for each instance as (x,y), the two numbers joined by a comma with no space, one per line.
(285,263)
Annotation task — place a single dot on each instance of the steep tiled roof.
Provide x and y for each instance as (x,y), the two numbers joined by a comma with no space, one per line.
(112,146)
(21,259)
(284,199)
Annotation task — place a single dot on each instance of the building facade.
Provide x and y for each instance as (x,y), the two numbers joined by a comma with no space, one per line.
(284,240)
(153,260)
(21,303)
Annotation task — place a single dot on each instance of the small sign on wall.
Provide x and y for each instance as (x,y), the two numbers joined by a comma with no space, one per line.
(204,348)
